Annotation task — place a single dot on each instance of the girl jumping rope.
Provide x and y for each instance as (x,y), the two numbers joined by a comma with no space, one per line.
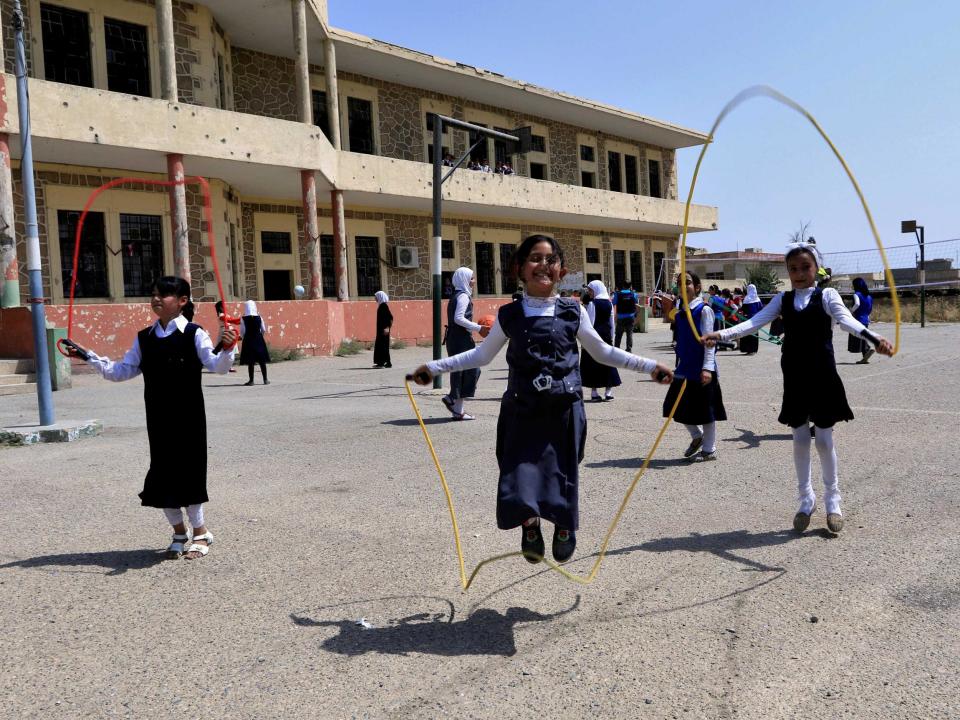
(812,389)
(541,431)
(170,354)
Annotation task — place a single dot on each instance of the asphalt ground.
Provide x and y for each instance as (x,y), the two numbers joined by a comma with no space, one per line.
(327,509)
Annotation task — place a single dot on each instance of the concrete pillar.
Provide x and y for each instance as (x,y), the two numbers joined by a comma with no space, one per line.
(168,57)
(339,245)
(178,218)
(9,268)
(301,61)
(311,230)
(333,101)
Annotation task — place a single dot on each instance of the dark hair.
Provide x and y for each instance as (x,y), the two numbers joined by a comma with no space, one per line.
(523,252)
(188,310)
(693,276)
(172,285)
(860,285)
(793,252)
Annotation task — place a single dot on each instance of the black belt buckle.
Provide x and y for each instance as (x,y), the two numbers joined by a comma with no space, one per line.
(542,382)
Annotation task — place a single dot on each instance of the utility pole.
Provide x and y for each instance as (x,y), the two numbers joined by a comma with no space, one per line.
(38,313)
(910,226)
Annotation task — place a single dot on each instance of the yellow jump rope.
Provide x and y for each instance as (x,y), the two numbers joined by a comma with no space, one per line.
(757,91)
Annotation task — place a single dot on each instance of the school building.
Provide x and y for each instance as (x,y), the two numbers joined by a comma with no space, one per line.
(728,269)
(317,144)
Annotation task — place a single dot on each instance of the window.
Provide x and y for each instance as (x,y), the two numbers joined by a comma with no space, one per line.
(508,281)
(221,83)
(234,265)
(446,284)
(588,179)
(613,172)
(66,45)
(486,273)
(636,270)
(619,268)
(429,117)
(713,276)
(92,259)
(500,150)
(142,249)
(360,123)
(479,153)
(368,265)
(328,274)
(128,64)
(273,241)
(593,276)
(538,143)
(653,169)
(593,255)
(587,153)
(445,150)
(320,117)
(538,171)
(660,271)
(630,171)
(447,250)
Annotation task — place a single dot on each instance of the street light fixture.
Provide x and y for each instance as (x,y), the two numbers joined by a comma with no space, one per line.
(910,226)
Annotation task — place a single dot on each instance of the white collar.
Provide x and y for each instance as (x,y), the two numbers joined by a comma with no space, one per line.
(539,301)
(179,322)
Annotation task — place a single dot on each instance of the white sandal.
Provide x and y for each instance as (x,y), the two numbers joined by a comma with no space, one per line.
(176,547)
(202,549)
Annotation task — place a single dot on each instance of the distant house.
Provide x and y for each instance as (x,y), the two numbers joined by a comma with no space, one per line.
(729,268)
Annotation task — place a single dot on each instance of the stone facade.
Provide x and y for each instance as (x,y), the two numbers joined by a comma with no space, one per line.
(401,129)
(263,84)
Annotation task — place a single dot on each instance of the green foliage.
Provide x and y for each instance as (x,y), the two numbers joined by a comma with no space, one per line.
(398,344)
(283,354)
(349,346)
(764,277)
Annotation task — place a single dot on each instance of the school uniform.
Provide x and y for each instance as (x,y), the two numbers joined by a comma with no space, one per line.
(171,360)
(863,305)
(381,345)
(594,374)
(460,339)
(253,351)
(700,404)
(750,307)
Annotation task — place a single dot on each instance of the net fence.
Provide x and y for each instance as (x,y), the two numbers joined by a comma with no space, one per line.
(942,262)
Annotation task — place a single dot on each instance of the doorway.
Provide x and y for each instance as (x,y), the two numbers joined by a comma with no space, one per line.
(277,285)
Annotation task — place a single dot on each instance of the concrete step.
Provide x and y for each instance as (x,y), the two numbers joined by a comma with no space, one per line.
(18,379)
(11,366)
(21,389)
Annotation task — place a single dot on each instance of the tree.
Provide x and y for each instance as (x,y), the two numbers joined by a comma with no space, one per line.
(764,277)
(801,235)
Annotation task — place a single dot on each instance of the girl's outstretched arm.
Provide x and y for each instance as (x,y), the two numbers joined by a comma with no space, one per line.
(614,356)
(838,311)
(768,314)
(220,362)
(126,369)
(477,357)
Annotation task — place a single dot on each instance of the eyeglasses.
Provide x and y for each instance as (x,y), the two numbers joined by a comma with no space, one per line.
(551,260)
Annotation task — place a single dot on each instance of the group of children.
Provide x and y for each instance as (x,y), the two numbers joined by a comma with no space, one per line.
(541,430)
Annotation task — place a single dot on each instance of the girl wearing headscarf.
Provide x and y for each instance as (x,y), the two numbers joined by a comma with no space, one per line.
(381,346)
(459,338)
(750,307)
(862,307)
(254,350)
(592,374)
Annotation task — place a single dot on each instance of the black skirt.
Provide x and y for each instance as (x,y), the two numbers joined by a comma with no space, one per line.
(540,445)
(700,405)
(597,375)
(856,344)
(749,344)
(812,394)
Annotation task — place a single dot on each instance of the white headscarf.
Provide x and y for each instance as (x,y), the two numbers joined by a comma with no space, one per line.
(250,308)
(599,290)
(751,296)
(381,297)
(461,279)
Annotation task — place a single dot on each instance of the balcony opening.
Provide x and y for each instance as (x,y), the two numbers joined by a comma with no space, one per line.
(66,45)
(508,281)
(636,270)
(92,260)
(653,169)
(613,172)
(630,170)
(360,124)
(320,117)
(368,265)
(221,83)
(661,281)
(619,268)
(142,248)
(588,179)
(128,61)
(486,275)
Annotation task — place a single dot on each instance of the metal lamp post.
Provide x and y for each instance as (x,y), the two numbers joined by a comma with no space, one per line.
(910,226)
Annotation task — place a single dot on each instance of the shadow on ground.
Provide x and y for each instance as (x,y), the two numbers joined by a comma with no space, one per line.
(483,632)
(116,561)
(637,462)
(752,440)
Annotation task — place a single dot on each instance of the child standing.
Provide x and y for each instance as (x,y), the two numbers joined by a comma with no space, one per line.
(812,389)
(170,354)
(541,431)
(862,307)
(254,350)
(593,374)
(750,307)
(702,403)
(381,346)
(459,338)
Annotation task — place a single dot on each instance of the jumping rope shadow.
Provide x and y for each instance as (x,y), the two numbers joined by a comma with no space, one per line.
(116,561)
(483,632)
(408,422)
(752,440)
(348,393)
(722,545)
(637,462)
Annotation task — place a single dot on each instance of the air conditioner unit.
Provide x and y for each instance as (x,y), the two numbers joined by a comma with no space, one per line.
(406,257)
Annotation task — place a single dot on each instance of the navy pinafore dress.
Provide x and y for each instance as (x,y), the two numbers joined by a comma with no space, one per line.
(812,389)
(541,433)
(463,384)
(176,419)
(700,404)
(594,374)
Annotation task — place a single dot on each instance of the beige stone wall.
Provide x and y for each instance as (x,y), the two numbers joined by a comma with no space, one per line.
(263,84)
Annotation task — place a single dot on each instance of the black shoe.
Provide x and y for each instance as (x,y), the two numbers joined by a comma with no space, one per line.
(693,447)
(388,365)
(834,522)
(531,543)
(248,383)
(801,521)
(563,549)
(448,402)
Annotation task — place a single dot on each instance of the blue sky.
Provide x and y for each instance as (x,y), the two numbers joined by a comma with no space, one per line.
(881,77)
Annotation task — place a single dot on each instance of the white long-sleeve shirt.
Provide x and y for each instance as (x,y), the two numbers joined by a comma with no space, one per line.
(129,367)
(486,351)
(460,313)
(832,303)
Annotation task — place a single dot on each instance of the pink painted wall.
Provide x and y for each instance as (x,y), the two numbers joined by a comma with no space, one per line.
(315,326)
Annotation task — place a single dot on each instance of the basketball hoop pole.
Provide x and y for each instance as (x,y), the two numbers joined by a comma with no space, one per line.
(436,263)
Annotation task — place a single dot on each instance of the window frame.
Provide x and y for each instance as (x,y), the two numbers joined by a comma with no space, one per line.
(588,166)
(497,238)
(624,150)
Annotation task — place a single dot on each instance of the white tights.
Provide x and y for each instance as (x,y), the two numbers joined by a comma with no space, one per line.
(194,514)
(709,434)
(458,406)
(828,468)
